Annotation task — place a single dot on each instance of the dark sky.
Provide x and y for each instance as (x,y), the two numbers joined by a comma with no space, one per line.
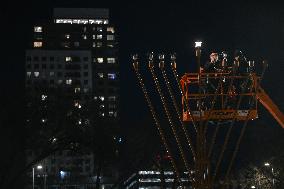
(256,28)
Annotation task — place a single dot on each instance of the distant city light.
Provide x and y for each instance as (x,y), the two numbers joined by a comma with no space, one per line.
(43,97)
(252,187)
(62,174)
(39,167)
(267,164)
(198,44)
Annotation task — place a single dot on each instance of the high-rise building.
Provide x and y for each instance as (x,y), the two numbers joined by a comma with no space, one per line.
(71,32)
(72,60)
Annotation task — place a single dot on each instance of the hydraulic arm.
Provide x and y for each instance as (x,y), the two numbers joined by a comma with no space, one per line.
(270,106)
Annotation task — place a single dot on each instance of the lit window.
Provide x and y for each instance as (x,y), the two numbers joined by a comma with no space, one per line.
(94,44)
(111,75)
(79,121)
(67,36)
(101,75)
(43,97)
(102,98)
(110,37)
(78,105)
(68,58)
(94,36)
(36,74)
(111,98)
(99,44)
(37,44)
(113,114)
(99,29)
(77,90)
(102,114)
(38,29)
(111,60)
(111,45)
(51,73)
(69,81)
(29,74)
(99,36)
(110,29)
(99,21)
(102,106)
(43,120)
(100,60)
(84,37)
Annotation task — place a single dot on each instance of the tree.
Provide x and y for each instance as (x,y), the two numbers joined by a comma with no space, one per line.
(268,175)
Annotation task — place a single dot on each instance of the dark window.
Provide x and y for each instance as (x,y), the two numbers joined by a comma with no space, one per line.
(87,161)
(85,82)
(86,66)
(29,58)
(35,58)
(100,82)
(85,74)
(59,66)
(43,58)
(29,81)
(43,66)
(76,59)
(29,66)
(86,58)
(87,168)
(51,59)
(36,66)
(51,81)
(111,90)
(51,66)
(59,74)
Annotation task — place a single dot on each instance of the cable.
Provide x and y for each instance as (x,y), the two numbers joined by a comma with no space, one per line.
(189,142)
(172,126)
(157,123)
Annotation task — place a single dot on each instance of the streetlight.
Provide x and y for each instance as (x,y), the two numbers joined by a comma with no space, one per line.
(198,45)
(38,167)
(266,164)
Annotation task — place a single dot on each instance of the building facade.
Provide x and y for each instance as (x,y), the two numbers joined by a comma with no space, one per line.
(151,179)
(71,66)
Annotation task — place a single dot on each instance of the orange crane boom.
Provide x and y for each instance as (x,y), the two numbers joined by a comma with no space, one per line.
(266,101)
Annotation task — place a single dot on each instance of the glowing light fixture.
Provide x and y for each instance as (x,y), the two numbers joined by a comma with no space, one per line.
(39,167)
(198,44)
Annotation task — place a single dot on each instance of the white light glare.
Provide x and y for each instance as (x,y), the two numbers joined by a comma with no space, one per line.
(198,44)
(252,187)
(266,164)
(39,167)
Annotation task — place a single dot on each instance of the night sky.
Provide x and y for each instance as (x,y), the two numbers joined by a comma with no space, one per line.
(256,28)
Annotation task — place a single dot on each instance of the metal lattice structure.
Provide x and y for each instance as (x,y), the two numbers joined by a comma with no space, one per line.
(225,96)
